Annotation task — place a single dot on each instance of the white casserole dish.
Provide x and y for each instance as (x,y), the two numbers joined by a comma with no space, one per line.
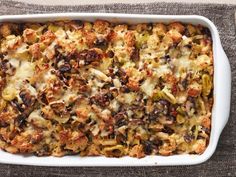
(220,112)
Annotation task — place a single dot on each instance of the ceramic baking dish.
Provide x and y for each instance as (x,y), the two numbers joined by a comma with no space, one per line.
(220,112)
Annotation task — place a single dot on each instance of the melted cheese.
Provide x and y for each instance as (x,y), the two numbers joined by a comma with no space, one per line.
(148,86)
(24,72)
(69,96)
(162,70)
(182,65)
(128,85)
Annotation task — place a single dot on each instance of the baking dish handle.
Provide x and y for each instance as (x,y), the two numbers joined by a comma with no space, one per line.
(223,90)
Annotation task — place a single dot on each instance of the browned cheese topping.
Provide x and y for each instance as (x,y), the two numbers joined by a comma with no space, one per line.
(73,87)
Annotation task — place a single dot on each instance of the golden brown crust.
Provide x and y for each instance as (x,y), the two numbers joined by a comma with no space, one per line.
(73,87)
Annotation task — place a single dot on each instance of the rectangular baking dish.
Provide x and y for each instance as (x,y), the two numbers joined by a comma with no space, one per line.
(220,112)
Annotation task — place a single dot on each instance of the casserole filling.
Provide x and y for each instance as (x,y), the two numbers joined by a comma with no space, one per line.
(73,87)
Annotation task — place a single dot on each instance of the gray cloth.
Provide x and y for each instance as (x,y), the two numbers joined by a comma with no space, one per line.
(222,163)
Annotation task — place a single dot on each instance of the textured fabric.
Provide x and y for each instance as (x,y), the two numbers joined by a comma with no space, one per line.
(222,163)
(82,2)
